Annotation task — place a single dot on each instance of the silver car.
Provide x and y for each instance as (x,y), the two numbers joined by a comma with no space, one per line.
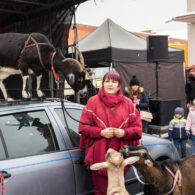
(39,151)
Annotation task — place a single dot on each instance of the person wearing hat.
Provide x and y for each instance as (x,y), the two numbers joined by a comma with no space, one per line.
(190,86)
(137,94)
(177,131)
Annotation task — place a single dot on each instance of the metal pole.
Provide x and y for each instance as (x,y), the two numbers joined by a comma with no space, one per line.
(75,33)
(77,97)
(51,80)
(157,87)
(111,66)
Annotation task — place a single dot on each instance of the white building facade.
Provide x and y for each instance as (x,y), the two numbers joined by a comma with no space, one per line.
(189,17)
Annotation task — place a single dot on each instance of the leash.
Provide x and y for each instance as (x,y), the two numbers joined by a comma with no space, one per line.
(74,118)
(68,130)
(177,180)
(65,110)
(2,183)
(137,176)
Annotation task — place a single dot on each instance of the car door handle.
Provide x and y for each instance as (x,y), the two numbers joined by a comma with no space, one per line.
(5,174)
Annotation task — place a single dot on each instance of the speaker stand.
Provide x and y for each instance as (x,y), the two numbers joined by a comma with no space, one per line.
(157,89)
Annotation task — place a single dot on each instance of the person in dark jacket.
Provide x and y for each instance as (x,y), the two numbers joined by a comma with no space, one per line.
(177,131)
(190,86)
(139,98)
(115,122)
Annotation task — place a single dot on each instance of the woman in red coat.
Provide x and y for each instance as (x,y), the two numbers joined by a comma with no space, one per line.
(116,122)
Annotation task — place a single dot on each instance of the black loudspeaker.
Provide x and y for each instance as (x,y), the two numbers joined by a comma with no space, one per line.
(157,48)
(163,111)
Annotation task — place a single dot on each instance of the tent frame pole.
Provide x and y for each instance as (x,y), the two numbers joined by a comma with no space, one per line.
(111,66)
(75,33)
(157,86)
(76,96)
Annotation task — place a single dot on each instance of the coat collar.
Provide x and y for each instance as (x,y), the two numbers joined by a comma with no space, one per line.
(110,100)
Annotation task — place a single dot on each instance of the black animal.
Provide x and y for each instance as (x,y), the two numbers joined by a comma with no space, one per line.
(33,54)
(160,176)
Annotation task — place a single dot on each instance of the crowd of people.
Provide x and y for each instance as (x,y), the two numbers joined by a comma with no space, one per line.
(180,129)
(112,119)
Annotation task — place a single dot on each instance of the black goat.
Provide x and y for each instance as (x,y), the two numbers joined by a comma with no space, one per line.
(161,175)
(32,54)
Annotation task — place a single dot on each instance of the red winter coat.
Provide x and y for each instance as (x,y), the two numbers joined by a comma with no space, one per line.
(105,110)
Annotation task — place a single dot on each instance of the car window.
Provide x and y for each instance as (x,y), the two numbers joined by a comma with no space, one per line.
(72,129)
(2,151)
(27,133)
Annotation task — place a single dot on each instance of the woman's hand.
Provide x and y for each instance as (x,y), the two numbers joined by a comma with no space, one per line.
(107,133)
(119,133)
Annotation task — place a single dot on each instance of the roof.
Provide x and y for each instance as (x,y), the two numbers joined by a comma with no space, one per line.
(50,17)
(12,11)
(110,42)
(187,17)
(109,34)
(19,104)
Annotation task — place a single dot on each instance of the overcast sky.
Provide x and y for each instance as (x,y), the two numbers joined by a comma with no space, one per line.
(136,15)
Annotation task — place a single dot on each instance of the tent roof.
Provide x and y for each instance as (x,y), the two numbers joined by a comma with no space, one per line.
(110,34)
(110,42)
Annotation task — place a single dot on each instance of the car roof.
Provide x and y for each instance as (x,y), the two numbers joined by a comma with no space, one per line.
(19,104)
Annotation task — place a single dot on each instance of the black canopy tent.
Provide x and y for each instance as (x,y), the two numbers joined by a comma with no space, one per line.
(111,44)
(50,17)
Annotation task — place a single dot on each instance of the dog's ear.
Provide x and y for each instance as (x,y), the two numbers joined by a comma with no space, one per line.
(149,163)
(98,166)
(131,160)
(107,155)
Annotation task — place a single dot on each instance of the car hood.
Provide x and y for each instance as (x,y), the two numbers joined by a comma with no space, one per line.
(152,140)
(159,147)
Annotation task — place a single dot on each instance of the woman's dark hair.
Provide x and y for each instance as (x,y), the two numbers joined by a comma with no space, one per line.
(113,75)
(132,93)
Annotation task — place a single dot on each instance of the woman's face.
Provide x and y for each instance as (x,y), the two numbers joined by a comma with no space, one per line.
(111,86)
(134,87)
